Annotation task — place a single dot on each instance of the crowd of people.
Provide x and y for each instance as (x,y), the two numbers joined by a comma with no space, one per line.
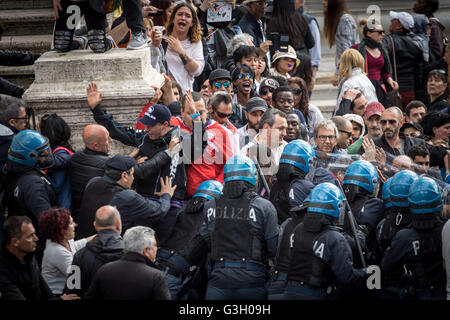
(237,187)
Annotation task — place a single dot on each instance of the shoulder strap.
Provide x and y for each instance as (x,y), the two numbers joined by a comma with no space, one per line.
(62,148)
(393,55)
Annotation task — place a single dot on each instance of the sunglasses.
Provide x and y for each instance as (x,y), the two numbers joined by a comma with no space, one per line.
(246,76)
(223,115)
(379,31)
(349,134)
(297,91)
(391,121)
(219,85)
(266,91)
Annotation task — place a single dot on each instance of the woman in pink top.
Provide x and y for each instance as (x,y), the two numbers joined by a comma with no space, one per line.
(378,66)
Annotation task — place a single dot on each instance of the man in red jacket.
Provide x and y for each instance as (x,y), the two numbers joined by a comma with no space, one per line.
(215,141)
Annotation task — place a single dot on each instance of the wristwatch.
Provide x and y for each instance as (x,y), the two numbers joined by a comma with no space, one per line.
(183,59)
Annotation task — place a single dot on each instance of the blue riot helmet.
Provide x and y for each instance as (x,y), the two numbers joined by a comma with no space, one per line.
(326,198)
(425,196)
(386,193)
(240,168)
(27,146)
(363,174)
(399,188)
(209,189)
(298,153)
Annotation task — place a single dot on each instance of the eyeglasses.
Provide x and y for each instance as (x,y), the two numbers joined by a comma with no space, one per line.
(223,115)
(246,76)
(349,134)
(379,31)
(391,121)
(219,85)
(22,118)
(324,138)
(297,91)
(266,90)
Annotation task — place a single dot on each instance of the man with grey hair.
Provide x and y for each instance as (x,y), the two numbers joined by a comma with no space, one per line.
(272,130)
(220,108)
(345,128)
(113,281)
(325,136)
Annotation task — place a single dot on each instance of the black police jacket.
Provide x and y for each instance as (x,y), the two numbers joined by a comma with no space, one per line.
(21,281)
(27,191)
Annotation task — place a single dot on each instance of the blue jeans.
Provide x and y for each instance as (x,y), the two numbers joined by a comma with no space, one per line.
(258,293)
(275,290)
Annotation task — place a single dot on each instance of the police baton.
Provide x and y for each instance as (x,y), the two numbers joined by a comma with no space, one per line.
(261,175)
(352,224)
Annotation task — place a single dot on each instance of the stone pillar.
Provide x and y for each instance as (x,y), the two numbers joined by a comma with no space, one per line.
(123,76)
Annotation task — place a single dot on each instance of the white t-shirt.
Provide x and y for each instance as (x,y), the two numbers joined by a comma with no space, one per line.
(56,261)
(176,67)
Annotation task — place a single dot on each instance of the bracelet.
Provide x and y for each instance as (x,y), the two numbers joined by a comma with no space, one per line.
(183,59)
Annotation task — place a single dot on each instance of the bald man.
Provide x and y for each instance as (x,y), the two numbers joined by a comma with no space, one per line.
(88,163)
(107,246)
(401,163)
(391,122)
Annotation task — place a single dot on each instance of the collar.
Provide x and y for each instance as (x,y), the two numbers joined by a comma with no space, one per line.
(14,260)
(137,257)
(90,151)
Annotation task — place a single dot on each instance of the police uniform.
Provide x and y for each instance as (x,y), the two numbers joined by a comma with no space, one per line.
(321,257)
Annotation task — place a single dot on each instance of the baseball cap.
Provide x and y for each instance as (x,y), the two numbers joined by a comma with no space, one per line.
(373,108)
(412,124)
(219,74)
(268,82)
(289,54)
(175,108)
(405,19)
(156,113)
(121,163)
(256,103)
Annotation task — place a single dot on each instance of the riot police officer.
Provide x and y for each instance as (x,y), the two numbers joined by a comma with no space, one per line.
(291,187)
(360,186)
(414,259)
(28,192)
(397,215)
(173,255)
(242,230)
(321,257)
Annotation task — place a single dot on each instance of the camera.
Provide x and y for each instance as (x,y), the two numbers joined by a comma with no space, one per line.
(280,42)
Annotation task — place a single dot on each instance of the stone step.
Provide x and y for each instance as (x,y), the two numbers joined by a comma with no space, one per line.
(25,4)
(33,43)
(325,106)
(23,22)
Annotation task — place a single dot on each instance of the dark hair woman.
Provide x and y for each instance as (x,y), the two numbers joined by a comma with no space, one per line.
(167,6)
(58,133)
(286,20)
(378,67)
(437,89)
(57,225)
(339,28)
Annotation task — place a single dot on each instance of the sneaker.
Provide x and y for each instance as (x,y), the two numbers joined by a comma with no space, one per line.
(138,41)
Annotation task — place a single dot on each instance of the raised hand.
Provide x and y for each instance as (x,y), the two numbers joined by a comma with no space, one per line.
(94,97)
(166,187)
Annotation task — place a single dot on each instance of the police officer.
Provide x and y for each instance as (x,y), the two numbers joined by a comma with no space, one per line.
(414,260)
(360,186)
(28,192)
(321,257)
(173,255)
(397,215)
(242,231)
(291,187)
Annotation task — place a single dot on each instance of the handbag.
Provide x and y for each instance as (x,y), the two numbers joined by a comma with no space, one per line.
(393,97)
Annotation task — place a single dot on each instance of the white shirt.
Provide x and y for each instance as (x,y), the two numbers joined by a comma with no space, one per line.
(57,259)
(276,153)
(176,66)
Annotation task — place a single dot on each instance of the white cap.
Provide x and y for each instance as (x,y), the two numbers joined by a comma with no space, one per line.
(405,19)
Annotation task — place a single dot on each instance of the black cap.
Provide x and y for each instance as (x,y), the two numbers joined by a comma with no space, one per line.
(412,124)
(156,113)
(256,103)
(121,163)
(219,74)
(175,108)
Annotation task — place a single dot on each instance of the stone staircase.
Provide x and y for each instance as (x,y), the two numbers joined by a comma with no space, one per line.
(28,26)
